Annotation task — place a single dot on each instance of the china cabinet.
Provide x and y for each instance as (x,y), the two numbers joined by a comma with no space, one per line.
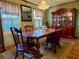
(65,19)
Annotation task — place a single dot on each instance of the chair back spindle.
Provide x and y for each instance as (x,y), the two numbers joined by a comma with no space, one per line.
(18,38)
(24,46)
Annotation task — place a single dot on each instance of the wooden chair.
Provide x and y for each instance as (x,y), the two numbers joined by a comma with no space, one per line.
(48,40)
(22,46)
(53,39)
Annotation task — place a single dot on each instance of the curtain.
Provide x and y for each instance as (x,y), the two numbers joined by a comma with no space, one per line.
(10,8)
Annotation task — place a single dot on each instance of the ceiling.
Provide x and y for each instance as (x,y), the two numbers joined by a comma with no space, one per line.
(52,2)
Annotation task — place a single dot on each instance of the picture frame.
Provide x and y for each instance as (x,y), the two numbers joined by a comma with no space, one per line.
(26,14)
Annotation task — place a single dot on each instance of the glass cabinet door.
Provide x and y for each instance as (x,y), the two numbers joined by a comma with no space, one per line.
(70,20)
(54,21)
(64,21)
(70,17)
(58,21)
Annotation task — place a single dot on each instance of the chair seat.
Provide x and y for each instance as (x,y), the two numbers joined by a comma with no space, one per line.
(19,47)
(29,56)
(29,47)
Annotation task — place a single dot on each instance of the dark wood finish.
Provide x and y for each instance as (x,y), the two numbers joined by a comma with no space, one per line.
(53,39)
(65,19)
(2,48)
(24,46)
(37,34)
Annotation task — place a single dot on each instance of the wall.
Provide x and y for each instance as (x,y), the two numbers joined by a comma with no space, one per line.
(8,40)
(67,5)
(27,4)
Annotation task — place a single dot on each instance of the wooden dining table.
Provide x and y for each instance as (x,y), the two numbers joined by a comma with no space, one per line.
(37,34)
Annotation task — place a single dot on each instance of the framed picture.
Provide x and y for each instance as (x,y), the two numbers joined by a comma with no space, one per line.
(26,13)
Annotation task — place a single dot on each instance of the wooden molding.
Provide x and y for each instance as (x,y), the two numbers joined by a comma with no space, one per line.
(65,3)
(29,2)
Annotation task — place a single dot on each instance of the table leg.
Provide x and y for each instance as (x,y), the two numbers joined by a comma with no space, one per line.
(38,47)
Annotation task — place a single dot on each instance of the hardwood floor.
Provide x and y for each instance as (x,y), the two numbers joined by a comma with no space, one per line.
(68,50)
(62,52)
(74,53)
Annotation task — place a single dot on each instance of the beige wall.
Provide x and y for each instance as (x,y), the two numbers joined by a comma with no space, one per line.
(8,40)
(68,6)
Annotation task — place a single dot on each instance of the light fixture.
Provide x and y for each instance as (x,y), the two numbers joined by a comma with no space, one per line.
(43,5)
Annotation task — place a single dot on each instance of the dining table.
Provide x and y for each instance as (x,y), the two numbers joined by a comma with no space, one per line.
(38,34)
(35,35)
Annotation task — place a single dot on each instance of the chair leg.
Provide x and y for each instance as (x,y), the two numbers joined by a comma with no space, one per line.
(54,48)
(22,55)
(58,45)
(36,55)
(53,44)
(46,46)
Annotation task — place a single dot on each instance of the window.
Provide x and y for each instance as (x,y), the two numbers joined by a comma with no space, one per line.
(7,24)
(38,18)
(38,23)
(10,21)
(10,14)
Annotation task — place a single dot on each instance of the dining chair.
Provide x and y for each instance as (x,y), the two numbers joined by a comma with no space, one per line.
(56,40)
(53,39)
(48,40)
(23,47)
